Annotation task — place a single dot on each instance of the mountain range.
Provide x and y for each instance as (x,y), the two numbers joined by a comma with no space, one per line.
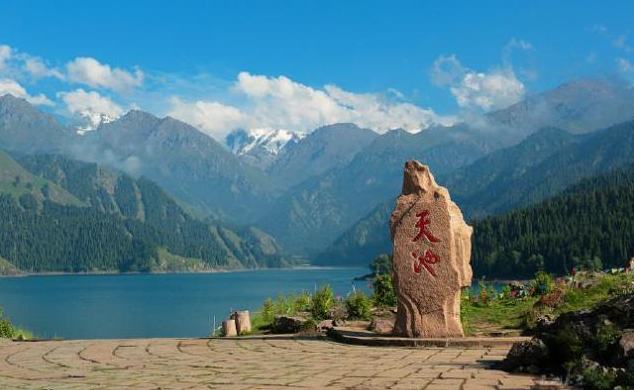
(325,195)
(541,166)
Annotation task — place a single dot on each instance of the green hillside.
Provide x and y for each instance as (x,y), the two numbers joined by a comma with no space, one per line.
(127,225)
(589,226)
(17,182)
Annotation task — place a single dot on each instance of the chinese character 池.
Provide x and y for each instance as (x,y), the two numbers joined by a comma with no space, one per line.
(422,224)
(426,261)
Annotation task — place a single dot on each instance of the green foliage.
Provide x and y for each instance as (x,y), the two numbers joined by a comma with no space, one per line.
(607,338)
(596,379)
(322,303)
(382,265)
(6,328)
(302,302)
(263,318)
(591,225)
(568,344)
(384,290)
(543,283)
(358,305)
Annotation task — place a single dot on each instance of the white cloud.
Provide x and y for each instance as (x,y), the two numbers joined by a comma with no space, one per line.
(36,67)
(5,55)
(91,107)
(375,112)
(515,43)
(89,71)
(213,118)
(496,89)
(8,86)
(281,103)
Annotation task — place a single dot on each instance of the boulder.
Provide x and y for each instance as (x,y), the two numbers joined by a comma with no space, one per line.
(626,344)
(526,354)
(432,251)
(382,325)
(288,324)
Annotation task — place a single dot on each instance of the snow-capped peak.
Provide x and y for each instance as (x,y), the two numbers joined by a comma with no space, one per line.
(272,141)
(92,120)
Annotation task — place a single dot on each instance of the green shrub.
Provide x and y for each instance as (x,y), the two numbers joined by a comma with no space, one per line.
(6,329)
(302,302)
(382,265)
(543,283)
(322,303)
(596,379)
(264,317)
(384,291)
(358,305)
(607,339)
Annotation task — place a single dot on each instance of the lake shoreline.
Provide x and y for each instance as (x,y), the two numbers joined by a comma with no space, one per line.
(205,271)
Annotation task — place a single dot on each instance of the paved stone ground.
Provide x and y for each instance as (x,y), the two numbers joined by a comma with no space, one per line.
(270,363)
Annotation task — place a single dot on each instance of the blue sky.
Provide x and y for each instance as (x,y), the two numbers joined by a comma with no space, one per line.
(300,64)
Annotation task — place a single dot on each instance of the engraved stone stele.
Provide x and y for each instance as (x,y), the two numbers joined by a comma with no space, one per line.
(432,251)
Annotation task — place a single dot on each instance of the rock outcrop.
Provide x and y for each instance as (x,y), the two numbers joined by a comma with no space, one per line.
(432,251)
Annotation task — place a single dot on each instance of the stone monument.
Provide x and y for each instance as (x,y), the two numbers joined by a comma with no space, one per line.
(432,250)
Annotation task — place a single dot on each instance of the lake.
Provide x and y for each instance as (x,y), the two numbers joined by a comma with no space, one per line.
(152,305)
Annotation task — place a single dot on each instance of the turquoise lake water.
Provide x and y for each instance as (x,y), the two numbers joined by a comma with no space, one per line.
(152,305)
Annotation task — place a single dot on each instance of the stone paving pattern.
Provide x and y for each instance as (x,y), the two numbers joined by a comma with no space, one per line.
(253,363)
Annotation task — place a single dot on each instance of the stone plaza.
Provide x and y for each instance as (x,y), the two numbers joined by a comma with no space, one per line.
(274,362)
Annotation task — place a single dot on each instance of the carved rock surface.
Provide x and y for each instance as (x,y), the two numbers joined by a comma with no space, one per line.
(432,252)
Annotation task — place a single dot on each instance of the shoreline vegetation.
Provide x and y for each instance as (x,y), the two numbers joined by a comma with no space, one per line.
(487,309)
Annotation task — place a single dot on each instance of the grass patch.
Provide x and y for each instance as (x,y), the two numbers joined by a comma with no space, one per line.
(7,269)
(168,262)
(501,312)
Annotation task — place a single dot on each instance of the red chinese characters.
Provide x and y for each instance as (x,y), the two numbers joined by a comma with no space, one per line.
(426,261)
(421,224)
(429,258)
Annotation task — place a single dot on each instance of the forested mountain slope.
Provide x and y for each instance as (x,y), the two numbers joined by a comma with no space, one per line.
(589,225)
(126,225)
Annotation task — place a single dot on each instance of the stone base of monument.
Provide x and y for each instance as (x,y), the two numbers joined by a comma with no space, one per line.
(357,333)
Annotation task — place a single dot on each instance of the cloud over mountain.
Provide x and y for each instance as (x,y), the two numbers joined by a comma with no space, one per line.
(486,91)
(91,106)
(279,102)
(8,86)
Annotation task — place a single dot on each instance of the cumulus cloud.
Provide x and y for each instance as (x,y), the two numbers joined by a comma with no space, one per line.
(89,71)
(8,86)
(91,107)
(496,89)
(36,67)
(279,102)
(213,117)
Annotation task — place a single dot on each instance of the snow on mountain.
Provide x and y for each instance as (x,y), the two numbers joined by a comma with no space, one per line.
(244,141)
(91,120)
(259,147)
